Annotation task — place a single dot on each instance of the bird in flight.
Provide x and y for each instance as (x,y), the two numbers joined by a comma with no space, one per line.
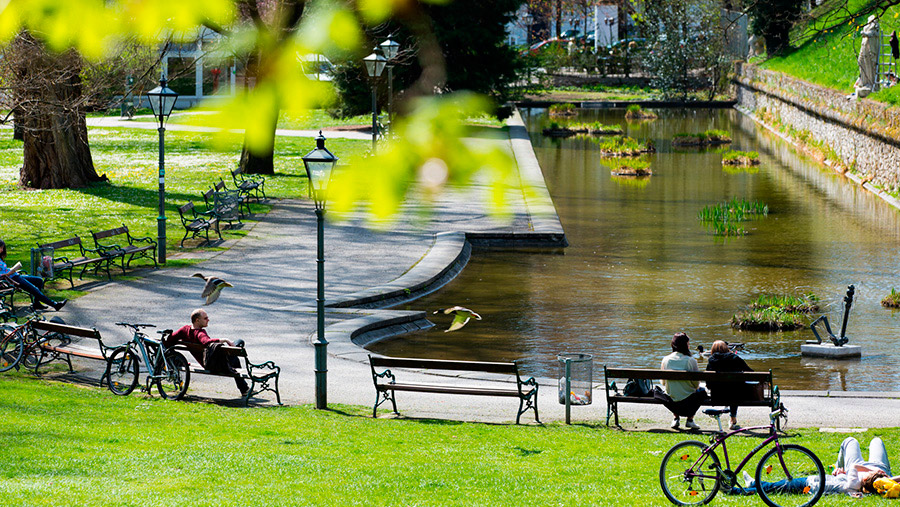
(461,316)
(213,287)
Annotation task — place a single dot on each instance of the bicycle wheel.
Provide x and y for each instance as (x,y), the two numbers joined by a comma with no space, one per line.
(689,477)
(122,371)
(11,348)
(176,382)
(792,477)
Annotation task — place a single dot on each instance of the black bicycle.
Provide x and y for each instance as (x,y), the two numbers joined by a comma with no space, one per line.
(166,368)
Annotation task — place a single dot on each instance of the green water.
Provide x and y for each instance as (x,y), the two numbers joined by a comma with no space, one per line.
(640,265)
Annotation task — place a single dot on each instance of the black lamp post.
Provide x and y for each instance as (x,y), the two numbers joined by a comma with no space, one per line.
(390,48)
(162,101)
(319,164)
(375,66)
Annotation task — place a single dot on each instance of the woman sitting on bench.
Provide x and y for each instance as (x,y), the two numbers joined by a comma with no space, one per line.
(33,285)
(721,358)
(687,395)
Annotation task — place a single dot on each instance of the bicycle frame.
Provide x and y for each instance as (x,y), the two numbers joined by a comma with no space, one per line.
(141,340)
(720,439)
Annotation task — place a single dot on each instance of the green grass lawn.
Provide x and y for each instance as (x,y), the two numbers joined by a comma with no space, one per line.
(828,54)
(129,157)
(63,444)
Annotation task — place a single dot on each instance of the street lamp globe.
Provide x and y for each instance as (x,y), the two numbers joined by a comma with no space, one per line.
(390,48)
(162,101)
(375,64)
(319,165)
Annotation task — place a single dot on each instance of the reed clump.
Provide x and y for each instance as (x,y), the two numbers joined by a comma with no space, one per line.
(636,112)
(892,300)
(725,219)
(623,146)
(562,110)
(627,166)
(740,158)
(777,312)
(707,138)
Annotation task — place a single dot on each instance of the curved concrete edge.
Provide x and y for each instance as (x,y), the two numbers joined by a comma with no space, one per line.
(347,338)
(448,255)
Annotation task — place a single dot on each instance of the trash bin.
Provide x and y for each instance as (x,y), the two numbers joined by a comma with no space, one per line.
(575,378)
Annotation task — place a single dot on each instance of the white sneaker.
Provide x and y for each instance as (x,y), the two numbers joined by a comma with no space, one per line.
(734,427)
(691,425)
(675,423)
(748,481)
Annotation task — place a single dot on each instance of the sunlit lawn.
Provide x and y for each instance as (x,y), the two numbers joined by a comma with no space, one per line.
(129,158)
(79,445)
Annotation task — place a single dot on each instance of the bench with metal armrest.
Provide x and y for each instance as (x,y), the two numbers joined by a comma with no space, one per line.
(262,376)
(386,383)
(134,248)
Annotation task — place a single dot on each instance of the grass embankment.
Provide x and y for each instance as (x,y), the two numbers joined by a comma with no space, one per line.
(69,445)
(129,158)
(830,47)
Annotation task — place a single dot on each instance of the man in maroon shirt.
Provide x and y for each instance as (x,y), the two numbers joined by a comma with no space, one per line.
(209,354)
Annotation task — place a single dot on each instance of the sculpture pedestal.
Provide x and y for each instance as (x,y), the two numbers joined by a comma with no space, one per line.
(829,351)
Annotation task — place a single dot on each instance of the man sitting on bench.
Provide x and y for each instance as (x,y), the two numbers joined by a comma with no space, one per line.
(210,356)
(33,285)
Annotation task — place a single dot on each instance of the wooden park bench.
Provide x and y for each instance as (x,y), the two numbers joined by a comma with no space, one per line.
(224,206)
(262,377)
(769,398)
(81,257)
(57,344)
(242,202)
(7,293)
(196,222)
(246,184)
(136,247)
(386,383)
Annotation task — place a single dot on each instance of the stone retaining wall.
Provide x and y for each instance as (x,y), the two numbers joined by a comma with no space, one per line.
(864,134)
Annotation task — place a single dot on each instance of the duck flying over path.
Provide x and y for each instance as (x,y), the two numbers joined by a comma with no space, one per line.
(213,287)
(461,316)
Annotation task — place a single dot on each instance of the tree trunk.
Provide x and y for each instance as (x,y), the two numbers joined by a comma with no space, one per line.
(57,154)
(264,162)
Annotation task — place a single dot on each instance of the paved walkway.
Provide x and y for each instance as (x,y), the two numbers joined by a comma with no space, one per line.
(272,305)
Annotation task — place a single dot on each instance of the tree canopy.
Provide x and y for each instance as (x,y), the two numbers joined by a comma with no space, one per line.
(327,26)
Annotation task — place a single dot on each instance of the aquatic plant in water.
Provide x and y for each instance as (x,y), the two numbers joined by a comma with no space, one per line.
(725,219)
(635,112)
(562,110)
(735,157)
(706,138)
(777,312)
(596,128)
(892,300)
(623,146)
(627,166)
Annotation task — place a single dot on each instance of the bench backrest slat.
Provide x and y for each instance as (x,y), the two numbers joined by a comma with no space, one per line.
(439,364)
(53,327)
(110,232)
(63,243)
(641,373)
(187,207)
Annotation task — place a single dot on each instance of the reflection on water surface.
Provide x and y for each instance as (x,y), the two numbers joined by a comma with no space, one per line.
(640,266)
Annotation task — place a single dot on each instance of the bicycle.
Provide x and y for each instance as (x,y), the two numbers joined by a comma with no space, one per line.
(166,368)
(20,345)
(691,472)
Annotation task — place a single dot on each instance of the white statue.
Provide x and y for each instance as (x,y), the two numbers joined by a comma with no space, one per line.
(757,46)
(868,58)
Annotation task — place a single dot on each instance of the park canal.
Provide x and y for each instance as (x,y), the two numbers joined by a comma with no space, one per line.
(641,266)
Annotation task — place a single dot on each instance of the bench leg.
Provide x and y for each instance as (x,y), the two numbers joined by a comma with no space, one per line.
(526,403)
(612,408)
(381,397)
